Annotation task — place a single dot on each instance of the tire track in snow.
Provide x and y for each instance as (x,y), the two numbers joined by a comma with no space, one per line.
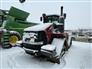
(15,63)
(12,61)
(19,59)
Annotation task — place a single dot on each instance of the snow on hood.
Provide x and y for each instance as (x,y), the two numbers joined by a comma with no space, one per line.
(48,47)
(39,27)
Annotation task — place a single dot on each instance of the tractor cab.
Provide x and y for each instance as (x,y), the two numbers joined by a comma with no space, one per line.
(52,18)
(57,20)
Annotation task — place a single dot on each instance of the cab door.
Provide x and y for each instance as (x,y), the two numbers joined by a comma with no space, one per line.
(49,33)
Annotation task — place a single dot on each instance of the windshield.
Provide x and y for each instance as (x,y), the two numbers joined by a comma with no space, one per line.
(52,19)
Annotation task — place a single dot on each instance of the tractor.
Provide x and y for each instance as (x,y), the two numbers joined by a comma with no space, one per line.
(48,39)
(12,23)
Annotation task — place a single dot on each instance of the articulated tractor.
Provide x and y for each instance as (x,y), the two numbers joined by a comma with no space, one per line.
(48,39)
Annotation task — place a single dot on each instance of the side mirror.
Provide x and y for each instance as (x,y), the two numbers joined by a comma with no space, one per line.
(21,1)
(44,15)
(44,18)
(64,15)
(40,18)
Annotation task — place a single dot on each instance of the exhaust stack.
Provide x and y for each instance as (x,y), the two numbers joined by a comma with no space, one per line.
(61,10)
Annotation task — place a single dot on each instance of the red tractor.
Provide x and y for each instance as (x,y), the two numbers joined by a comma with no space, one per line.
(47,39)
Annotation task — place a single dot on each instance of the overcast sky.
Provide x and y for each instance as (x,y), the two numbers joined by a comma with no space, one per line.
(78,12)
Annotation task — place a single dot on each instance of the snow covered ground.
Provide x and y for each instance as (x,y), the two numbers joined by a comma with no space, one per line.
(79,56)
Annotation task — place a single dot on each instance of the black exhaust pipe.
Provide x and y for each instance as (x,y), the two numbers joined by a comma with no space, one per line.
(61,10)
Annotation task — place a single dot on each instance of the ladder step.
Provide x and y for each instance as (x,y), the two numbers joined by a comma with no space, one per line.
(6,41)
(6,35)
(5,38)
(6,46)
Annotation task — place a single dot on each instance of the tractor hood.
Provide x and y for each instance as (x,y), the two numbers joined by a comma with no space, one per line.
(39,27)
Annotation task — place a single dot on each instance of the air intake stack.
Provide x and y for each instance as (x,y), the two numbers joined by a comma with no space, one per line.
(61,10)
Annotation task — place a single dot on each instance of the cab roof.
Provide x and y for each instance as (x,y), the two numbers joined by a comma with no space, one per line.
(39,27)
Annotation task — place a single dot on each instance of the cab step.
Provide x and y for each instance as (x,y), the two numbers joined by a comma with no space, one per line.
(5,40)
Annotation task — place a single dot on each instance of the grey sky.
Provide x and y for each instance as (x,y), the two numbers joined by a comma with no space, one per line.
(46,0)
(78,13)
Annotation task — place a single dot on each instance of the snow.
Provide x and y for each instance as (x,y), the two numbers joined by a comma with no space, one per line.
(59,43)
(79,56)
(48,47)
(39,27)
(18,43)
